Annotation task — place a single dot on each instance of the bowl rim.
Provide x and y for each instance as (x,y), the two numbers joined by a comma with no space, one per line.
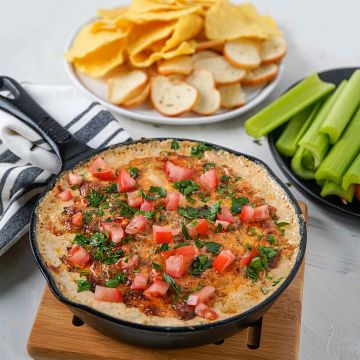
(263,94)
(172,329)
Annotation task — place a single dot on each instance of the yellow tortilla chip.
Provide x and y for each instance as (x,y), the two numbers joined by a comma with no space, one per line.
(146,59)
(226,21)
(142,36)
(88,41)
(100,62)
(186,28)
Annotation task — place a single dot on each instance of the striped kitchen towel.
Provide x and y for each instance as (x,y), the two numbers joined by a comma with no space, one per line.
(26,161)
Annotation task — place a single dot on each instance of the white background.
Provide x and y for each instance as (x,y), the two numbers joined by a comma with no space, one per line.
(321,35)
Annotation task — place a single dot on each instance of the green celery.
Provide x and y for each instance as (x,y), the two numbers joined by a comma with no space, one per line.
(342,154)
(297,165)
(331,188)
(352,175)
(343,109)
(313,140)
(295,129)
(302,95)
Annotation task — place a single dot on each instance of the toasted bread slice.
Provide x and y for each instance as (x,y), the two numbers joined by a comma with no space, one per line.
(208,101)
(243,53)
(204,54)
(232,96)
(139,98)
(177,65)
(273,49)
(125,85)
(222,71)
(261,75)
(210,44)
(172,97)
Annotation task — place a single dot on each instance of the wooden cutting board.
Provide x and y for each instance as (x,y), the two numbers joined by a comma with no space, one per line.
(54,337)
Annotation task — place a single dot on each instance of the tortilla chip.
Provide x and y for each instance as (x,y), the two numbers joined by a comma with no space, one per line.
(186,28)
(87,41)
(142,36)
(147,58)
(100,62)
(226,21)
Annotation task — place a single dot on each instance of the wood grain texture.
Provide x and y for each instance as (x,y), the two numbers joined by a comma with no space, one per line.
(54,337)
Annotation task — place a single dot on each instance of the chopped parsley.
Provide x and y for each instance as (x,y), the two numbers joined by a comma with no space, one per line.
(83,285)
(186,187)
(238,203)
(134,172)
(198,150)
(200,264)
(175,145)
(208,166)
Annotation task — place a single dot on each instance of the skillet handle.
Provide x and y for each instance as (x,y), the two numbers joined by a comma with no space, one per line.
(22,106)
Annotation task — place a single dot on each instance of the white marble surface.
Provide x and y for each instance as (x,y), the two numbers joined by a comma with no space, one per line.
(322,35)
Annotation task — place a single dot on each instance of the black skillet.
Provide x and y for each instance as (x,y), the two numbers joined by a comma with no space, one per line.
(71,152)
(309,187)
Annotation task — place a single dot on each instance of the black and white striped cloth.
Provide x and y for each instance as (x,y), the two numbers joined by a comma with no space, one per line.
(26,161)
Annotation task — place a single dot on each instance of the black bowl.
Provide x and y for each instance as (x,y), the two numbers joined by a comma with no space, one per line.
(309,187)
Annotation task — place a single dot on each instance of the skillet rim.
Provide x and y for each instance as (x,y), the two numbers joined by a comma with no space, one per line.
(172,329)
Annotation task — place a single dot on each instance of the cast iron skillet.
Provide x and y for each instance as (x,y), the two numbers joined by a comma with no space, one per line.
(309,187)
(72,152)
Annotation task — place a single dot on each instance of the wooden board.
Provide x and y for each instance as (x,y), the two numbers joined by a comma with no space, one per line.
(54,337)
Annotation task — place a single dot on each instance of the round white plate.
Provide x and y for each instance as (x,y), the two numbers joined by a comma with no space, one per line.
(96,88)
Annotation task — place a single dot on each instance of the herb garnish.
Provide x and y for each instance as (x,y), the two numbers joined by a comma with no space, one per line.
(200,264)
(238,203)
(186,187)
(83,285)
(198,150)
(175,145)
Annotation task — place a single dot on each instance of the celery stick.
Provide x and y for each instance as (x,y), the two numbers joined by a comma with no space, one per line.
(331,188)
(313,140)
(342,154)
(352,175)
(288,141)
(286,106)
(343,109)
(298,168)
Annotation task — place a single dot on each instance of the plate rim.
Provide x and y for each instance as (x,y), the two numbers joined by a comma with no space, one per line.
(160,119)
(299,183)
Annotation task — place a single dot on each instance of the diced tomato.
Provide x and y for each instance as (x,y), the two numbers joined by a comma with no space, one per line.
(223,260)
(114,230)
(224,224)
(210,179)
(103,293)
(139,282)
(206,312)
(201,296)
(82,202)
(172,200)
(65,195)
(357,192)
(248,256)
(77,219)
(100,169)
(250,214)
(147,206)
(136,225)
(128,264)
(175,266)
(198,227)
(125,181)
(134,199)
(225,215)
(78,256)
(176,173)
(187,251)
(162,234)
(157,288)
(75,179)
